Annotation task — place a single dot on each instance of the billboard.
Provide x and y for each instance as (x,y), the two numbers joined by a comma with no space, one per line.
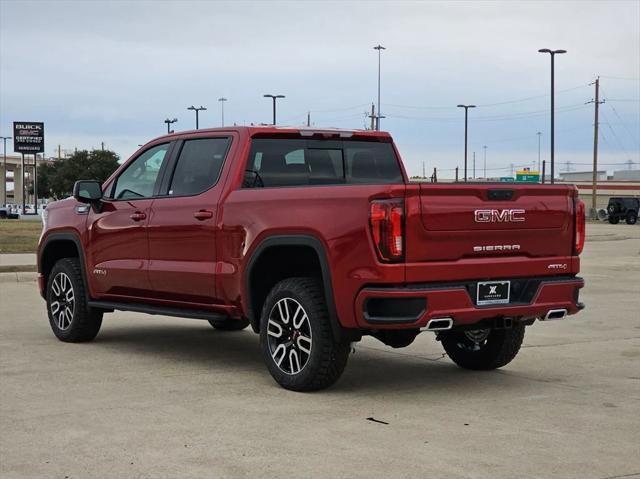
(527,176)
(28,137)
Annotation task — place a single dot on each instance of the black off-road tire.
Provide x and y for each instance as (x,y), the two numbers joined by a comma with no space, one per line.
(497,350)
(327,357)
(632,218)
(229,324)
(614,219)
(79,323)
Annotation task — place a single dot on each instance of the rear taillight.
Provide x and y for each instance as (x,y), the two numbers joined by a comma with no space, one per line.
(386,218)
(580,226)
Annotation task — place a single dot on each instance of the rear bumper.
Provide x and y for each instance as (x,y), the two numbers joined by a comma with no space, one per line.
(414,306)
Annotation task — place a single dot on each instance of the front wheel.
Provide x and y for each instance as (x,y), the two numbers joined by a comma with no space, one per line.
(70,318)
(483,349)
(296,338)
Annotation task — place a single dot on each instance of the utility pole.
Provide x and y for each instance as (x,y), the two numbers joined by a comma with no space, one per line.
(373,117)
(222,100)
(544,168)
(379,48)
(485,162)
(456,174)
(553,54)
(308,118)
(424,174)
(4,154)
(59,151)
(594,180)
(274,98)
(197,110)
(466,120)
(101,146)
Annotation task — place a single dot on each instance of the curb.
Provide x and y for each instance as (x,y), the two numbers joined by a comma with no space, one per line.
(20,277)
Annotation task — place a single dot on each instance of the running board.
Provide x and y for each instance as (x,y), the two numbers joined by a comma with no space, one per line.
(159,310)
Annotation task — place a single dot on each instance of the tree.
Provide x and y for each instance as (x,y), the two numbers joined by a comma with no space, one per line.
(56,179)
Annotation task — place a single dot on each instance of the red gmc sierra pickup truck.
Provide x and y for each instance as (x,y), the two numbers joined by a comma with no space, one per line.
(314,238)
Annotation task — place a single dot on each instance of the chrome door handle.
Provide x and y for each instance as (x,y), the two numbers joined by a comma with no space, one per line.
(138,216)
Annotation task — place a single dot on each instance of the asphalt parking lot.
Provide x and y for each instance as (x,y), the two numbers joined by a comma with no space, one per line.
(170,398)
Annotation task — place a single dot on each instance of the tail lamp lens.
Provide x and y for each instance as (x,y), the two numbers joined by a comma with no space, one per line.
(580,226)
(386,218)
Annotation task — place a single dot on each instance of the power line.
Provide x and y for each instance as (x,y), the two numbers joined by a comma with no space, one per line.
(606,122)
(486,105)
(621,78)
(514,116)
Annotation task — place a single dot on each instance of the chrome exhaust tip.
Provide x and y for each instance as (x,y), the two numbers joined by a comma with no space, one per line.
(439,324)
(555,314)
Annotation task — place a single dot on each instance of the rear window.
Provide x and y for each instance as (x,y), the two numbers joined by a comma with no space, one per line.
(285,162)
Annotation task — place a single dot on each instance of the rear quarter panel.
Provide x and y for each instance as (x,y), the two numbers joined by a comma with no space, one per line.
(338,216)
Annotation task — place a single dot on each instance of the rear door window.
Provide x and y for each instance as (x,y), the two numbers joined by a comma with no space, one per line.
(198,166)
(292,162)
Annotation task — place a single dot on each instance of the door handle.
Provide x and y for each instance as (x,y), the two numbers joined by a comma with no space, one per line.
(203,215)
(138,216)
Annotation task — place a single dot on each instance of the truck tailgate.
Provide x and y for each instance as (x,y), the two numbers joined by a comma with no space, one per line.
(453,222)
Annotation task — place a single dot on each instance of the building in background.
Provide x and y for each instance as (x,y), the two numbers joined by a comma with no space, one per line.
(626,175)
(13,185)
(570,176)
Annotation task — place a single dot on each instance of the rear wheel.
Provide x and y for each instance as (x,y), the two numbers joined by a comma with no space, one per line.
(483,349)
(229,324)
(632,217)
(613,219)
(296,338)
(70,318)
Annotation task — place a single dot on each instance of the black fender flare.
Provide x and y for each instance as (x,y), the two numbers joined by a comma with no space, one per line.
(65,236)
(294,240)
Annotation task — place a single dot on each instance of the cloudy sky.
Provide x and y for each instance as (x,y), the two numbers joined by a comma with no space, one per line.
(113,71)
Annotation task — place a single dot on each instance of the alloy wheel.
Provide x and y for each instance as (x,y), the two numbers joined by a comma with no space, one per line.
(62,301)
(289,336)
(474,339)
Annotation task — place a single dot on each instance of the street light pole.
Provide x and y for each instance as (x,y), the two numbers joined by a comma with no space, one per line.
(485,161)
(553,54)
(222,100)
(274,98)
(197,110)
(169,122)
(539,135)
(4,154)
(379,48)
(466,120)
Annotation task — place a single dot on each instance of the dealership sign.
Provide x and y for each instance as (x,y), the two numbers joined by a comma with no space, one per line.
(28,137)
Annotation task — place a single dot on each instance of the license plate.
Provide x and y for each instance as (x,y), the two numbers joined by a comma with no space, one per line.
(493,292)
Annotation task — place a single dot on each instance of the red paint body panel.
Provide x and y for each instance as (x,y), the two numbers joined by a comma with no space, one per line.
(175,259)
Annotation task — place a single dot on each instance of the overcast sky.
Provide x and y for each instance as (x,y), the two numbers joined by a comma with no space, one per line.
(113,71)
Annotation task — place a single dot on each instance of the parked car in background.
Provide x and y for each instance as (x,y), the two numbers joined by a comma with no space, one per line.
(626,209)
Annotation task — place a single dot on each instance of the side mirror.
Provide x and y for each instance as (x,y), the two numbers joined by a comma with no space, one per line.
(87,191)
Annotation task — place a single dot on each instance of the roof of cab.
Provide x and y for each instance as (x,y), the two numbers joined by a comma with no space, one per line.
(303,131)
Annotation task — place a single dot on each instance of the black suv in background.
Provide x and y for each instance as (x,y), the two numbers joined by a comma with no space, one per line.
(623,208)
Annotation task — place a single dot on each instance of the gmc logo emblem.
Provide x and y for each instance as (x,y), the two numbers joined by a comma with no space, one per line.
(498,216)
